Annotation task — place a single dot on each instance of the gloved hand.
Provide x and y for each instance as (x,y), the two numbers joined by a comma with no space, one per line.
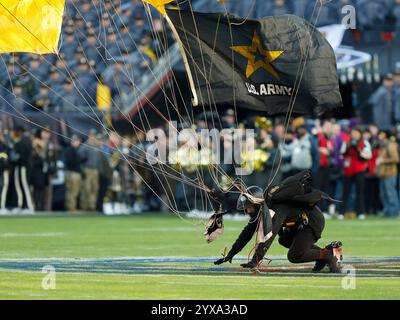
(222,260)
(249,265)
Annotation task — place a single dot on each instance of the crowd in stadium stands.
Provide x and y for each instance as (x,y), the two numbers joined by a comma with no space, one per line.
(352,161)
(371,14)
(107,45)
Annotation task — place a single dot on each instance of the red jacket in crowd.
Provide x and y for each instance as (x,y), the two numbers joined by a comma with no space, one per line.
(324,142)
(356,157)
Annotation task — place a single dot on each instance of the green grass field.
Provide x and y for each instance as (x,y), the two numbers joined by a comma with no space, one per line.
(164,257)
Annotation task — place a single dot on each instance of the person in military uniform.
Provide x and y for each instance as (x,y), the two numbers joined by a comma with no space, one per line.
(288,210)
(4,172)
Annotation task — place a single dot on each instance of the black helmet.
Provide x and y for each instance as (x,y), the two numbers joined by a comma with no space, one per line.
(244,201)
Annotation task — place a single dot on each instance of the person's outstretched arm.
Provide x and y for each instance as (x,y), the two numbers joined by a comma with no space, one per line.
(243,239)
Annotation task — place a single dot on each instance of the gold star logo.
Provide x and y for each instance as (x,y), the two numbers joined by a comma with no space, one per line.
(251,52)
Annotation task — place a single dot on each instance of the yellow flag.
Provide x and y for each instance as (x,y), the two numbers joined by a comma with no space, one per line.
(30,25)
(103,97)
(159,4)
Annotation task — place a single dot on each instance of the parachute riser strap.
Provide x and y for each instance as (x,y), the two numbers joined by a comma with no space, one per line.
(195,100)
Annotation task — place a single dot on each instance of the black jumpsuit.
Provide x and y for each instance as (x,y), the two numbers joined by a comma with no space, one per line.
(288,204)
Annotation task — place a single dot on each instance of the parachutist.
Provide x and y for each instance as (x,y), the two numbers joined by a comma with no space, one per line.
(288,210)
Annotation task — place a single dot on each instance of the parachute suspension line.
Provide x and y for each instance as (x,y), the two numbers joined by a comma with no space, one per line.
(24,118)
(182,180)
(117,148)
(209,92)
(287,118)
(294,97)
(248,14)
(199,174)
(195,99)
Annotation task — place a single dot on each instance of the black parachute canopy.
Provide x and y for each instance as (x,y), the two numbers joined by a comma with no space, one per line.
(258,64)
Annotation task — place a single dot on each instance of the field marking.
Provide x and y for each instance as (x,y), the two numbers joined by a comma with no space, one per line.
(197,266)
(250,284)
(135,258)
(179,258)
(39,234)
(265,275)
(63,297)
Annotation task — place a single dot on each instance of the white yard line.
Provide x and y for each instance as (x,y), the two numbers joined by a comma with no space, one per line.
(217,284)
(264,275)
(39,234)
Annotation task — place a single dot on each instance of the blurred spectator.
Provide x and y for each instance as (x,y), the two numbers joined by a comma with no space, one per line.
(285,149)
(300,151)
(43,101)
(91,47)
(70,45)
(20,157)
(229,120)
(4,172)
(38,69)
(37,176)
(56,83)
(356,152)
(322,13)
(50,165)
(18,98)
(386,170)
(396,89)
(118,79)
(325,149)
(372,202)
(86,82)
(73,176)
(90,188)
(336,172)
(271,145)
(272,8)
(105,172)
(385,111)
(71,97)
(372,13)
(396,12)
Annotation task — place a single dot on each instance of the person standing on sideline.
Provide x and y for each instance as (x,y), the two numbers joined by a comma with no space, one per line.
(37,176)
(105,172)
(73,176)
(4,172)
(21,159)
(386,170)
(50,169)
(325,149)
(356,153)
(301,151)
(92,155)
